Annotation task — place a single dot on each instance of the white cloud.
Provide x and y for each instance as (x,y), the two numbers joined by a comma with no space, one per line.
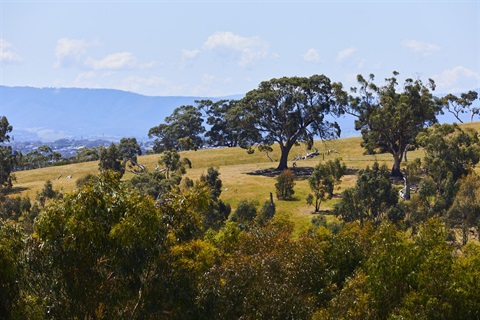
(457,79)
(190,54)
(423,48)
(312,55)
(114,61)
(70,52)
(247,49)
(7,54)
(344,54)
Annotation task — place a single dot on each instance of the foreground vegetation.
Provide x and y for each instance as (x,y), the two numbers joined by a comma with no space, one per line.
(105,251)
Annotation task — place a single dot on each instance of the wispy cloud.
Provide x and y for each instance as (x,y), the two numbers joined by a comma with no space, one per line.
(7,55)
(312,55)
(423,48)
(457,79)
(247,50)
(74,53)
(114,61)
(190,54)
(70,52)
(344,54)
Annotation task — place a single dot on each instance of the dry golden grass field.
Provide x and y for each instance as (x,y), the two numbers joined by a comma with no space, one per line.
(235,167)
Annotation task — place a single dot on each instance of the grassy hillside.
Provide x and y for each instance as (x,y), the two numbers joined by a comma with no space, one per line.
(236,168)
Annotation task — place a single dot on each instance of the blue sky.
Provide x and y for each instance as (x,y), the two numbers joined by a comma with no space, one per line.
(218,48)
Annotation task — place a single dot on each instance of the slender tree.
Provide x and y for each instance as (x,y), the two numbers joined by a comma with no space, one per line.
(322,181)
(390,120)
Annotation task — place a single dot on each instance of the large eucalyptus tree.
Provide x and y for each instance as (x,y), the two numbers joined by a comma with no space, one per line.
(290,110)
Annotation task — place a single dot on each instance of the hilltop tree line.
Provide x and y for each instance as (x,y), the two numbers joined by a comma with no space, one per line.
(289,111)
(165,247)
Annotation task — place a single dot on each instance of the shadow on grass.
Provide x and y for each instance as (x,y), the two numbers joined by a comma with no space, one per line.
(16,190)
(351,171)
(300,172)
(322,212)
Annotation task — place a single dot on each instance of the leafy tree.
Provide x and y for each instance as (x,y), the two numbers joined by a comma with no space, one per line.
(5,129)
(267,276)
(85,180)
(465,211)
(391,263)
(111,159)
(223,127)
(430,283)
(130,149)
(12,208)
(48,193)
(15,299)
(42,157)
(323,179)
(212,180)
(245,212)
(217,212)
(171,160)
(267,212)
(7,156)
(99,253)
(285,184)
(288,111)
(160,182)
(457,105)
(450,153)
(389,120)
(153,183)
(184,122)
(372,199)
(87,154)
(466,281)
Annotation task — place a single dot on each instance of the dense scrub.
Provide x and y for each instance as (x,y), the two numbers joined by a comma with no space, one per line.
(106,251)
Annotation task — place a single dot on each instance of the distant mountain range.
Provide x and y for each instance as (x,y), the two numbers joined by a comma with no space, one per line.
(49,114)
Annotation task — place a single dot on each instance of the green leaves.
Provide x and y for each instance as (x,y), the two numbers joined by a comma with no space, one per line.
(371,199)
(291,110)
(323,179)
(389,120)
(181,130)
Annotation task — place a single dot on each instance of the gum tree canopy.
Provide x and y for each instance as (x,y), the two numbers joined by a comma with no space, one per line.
(390,119)
(290,110)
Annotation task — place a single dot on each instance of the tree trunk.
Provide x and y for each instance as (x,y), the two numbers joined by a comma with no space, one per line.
(397,160)
(284,158)
(406,195)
